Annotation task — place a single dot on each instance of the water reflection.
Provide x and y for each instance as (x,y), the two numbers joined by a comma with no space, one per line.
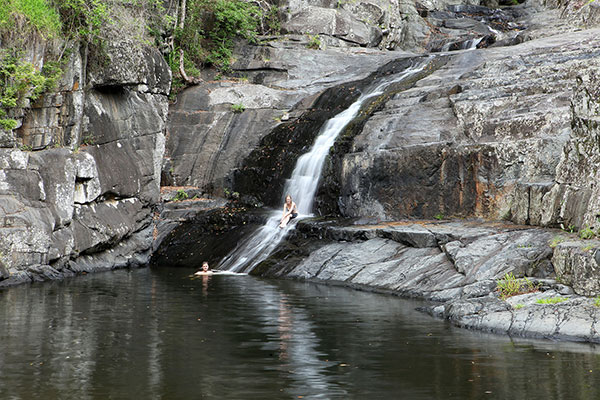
(160,335)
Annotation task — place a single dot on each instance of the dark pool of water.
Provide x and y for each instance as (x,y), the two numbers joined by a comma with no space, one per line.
(156,334)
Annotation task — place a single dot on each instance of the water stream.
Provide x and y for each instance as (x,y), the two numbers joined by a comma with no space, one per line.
(304,181)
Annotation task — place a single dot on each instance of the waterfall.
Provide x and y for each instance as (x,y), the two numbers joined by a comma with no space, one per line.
(304,181)
(471,44)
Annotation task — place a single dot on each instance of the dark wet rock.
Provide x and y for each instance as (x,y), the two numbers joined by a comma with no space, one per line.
(204,235)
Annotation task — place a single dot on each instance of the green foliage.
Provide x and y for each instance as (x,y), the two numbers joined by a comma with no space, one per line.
(556,241)
(597,301)
(272,22)
(39,14)
(552,300)
(518,306)
(181,195)
(88,140)
(238,108)
(231,195)
(511,286)
(19,80)
(569,229)
(82,19)
(587,233)
(439,216)
(314,42)
(211,27)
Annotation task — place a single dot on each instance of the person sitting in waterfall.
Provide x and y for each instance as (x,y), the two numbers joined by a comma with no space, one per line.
(205,269)
(290,211)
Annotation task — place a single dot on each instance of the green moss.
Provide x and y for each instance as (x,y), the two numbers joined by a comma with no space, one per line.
(552,300)
(556,241)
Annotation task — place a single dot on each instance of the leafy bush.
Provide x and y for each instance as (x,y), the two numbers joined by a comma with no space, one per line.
(19,80)
(511,286)
(314,42)
(211,27)
(181,195)
(587,233)
(238,108)
(82,19)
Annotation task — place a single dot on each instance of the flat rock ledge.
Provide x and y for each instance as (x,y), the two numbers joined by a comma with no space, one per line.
(456,266)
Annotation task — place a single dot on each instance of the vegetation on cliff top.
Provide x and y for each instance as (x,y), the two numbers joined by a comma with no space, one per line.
(206,31)
(191,33)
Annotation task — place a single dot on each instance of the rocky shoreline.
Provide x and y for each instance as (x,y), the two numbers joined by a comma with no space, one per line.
(453,264)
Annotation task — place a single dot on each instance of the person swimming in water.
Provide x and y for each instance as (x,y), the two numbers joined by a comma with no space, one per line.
(290,211)
(205,269)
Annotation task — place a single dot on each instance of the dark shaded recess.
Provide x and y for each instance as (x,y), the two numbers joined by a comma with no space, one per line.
(116,90)
(327,201)
(209,236)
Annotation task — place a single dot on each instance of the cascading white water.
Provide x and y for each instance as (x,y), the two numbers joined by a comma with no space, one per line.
(471,44)
(304,182)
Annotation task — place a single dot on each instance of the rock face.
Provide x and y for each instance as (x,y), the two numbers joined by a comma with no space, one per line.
(392,25)
(486,135)
(79,196)
(207,140)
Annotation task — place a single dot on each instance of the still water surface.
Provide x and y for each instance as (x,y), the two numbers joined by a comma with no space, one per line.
(157,334)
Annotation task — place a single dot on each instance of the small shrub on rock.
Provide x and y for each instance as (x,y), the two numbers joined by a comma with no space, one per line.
(511,286)
(181,195)
(587,233)
(238,108)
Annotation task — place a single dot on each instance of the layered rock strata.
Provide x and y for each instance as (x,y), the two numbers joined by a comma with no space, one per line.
(79,177)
